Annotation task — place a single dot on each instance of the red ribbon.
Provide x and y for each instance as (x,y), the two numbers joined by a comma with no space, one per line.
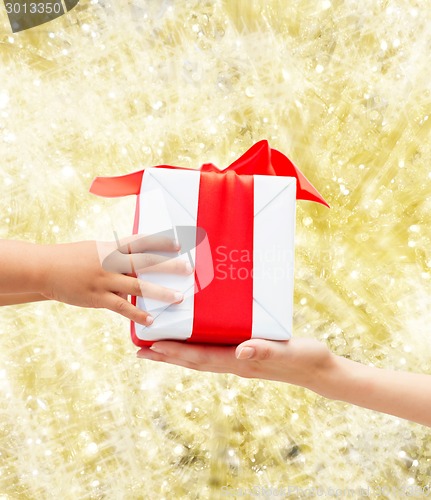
(223,310)
(260,159)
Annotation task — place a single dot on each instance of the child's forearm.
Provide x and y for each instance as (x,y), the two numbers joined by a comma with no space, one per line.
(403,394)
(8,299)
(22,267)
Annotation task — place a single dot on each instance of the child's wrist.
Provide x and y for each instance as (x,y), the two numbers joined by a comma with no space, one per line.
(39,274)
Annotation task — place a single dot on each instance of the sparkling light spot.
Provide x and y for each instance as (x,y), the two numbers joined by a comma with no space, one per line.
(68,171)
(179,449)
(4,99)
(92,448)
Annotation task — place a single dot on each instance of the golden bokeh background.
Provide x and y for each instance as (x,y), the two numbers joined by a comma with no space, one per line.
(341,87)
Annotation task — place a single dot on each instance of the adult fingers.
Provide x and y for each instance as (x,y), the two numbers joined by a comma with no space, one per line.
(148,353)
(197,354)
(209,355)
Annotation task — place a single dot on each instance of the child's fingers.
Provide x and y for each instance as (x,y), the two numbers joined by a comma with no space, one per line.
(152,263)
(158,292)
(126,309)
(135,263)
(139,243)
(126,285)
(110,252)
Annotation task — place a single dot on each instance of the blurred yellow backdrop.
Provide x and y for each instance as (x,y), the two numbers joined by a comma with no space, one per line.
(342,88)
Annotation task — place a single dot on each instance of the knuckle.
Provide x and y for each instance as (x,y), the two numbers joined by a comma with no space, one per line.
(264,353)
(108,264)
(139,287)
(132,263)
(95,302)
(153,262)
(121,306)
(146,260)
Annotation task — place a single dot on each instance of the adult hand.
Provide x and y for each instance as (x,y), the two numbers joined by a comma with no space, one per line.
(309,363)
(299,361)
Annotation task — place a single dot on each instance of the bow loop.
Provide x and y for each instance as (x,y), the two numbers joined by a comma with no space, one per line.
(260,159)
(255,161)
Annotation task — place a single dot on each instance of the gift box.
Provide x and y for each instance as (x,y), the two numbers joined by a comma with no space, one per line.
(236,228)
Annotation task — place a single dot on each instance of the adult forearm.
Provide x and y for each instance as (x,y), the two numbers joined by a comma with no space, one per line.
(403,394)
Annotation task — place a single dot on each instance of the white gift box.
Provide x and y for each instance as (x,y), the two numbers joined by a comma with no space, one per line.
(236,227)
(169,199)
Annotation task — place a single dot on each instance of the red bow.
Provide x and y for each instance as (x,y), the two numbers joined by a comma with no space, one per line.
(260,159)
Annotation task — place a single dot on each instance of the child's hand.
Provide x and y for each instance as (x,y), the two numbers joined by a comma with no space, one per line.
(300,361)
(86,273)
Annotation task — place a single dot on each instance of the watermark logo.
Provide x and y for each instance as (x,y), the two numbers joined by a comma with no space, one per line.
(271,262)
(165,253)
(26,14)
(291,491)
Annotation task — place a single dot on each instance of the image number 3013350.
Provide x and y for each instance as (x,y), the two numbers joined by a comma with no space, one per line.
(26,14)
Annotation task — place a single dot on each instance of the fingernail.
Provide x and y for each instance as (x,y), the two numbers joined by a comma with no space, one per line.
(189,268)
(178,297)
(246,353)
(158,349)
(177,245)
(149,320)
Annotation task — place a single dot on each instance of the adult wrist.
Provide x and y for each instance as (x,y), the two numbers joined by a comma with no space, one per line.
(345,380)
(330,377)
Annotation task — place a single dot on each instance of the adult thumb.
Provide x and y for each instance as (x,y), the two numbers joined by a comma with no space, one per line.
(257,349)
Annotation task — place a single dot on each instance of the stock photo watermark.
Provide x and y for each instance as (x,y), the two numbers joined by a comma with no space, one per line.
(220,263)
(26,14)
(272,262)
(260,491)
